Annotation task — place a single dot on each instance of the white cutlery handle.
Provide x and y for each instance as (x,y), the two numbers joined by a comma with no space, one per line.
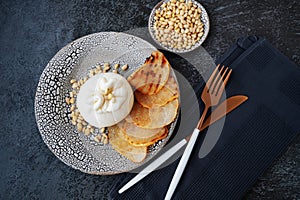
(181,166)
(152,166)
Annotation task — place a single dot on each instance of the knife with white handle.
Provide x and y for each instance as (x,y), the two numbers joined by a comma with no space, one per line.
(155,164)
(224,108)
(181,166)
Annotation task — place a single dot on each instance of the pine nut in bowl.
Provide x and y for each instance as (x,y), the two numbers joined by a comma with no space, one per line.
(179,26)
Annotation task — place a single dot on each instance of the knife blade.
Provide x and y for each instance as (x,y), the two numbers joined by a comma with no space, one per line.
(227,105)
(211,139)
(224,108)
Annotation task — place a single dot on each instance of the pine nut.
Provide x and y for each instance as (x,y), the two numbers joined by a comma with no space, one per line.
(74,118)
(106,69)
(72,100)
(68,100)
(97,138)
(106,65)
(75,85)
(81,81)
(98,67)
(102,130)
(79,127)
(124,67)
(92,130)
(177,16)
(109,96)
(117,66)
(104,139)
(87,131)
(106,91)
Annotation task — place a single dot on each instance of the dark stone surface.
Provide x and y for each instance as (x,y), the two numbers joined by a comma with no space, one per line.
(32,32)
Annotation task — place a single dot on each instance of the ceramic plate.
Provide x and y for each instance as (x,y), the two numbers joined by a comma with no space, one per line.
(204,19)
(52,114)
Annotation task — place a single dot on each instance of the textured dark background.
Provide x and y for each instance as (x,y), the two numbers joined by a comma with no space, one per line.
(31,32)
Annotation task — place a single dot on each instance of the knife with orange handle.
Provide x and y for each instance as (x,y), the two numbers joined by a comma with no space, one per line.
(221,110)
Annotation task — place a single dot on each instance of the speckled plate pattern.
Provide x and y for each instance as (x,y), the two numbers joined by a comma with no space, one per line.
(74,61)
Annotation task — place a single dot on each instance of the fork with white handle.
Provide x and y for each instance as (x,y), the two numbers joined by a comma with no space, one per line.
(165,156)
(210,96)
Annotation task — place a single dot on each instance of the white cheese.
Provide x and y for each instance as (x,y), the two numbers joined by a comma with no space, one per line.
(105,99)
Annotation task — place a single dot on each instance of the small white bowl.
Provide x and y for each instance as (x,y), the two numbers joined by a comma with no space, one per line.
(204,19)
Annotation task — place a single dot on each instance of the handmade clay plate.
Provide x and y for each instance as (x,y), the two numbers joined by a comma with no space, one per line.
(74,61)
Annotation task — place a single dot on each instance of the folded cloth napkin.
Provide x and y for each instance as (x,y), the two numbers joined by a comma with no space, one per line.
(252,137)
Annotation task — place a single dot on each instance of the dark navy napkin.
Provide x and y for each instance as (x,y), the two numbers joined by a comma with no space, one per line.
(252,137)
